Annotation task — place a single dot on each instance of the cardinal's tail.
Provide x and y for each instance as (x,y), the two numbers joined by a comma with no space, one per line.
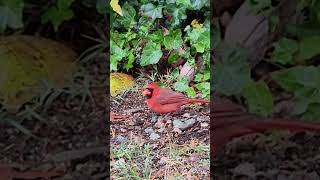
(198,101)
(292,125)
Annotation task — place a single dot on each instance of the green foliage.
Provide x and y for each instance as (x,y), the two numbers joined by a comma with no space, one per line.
(284,51)
(59,13)
(304,83)
(259,98)
(309,47)
(151,54)
(154,31)
(232,73)
(11,14)
(298,45)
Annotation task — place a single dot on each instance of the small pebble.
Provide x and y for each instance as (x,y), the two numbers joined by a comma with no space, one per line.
(204,124)
(149,130)
(154,136)
(186,115)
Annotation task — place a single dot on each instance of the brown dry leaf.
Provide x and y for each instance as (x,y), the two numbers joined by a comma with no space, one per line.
(188,71)
(114,117)
(139,140)
(8,173)
(26,62)
(181,51)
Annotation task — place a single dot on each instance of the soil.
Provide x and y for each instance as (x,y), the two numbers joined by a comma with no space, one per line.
(287,156)
(72,142)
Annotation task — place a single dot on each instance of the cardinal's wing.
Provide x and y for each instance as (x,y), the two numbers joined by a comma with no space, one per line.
(167,96)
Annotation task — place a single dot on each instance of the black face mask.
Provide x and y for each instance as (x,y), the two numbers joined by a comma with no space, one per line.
(151,93)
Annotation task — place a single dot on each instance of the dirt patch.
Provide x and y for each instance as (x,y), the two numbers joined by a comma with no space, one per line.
(72,141)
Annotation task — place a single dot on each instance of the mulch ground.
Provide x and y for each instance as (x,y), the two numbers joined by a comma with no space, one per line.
(73,141)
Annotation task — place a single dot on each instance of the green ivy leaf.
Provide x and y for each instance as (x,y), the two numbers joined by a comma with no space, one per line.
(232,74)
(11,14)
(178,15)
(284,50)
(299,77)
(181,85)
(312,113)
(303,82)
(191,92)
(199,38)
(173,57)
(185,3)
(128,18)
(204,87)
(259,98)
(130,62)
(170,1)
(156,36)
(151,54)
(198,4)
(116,55)
(309,47)
(58,14)
(173,40)
(152,11)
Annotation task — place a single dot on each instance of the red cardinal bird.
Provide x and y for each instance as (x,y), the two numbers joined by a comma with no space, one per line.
(230,121)
(165,100)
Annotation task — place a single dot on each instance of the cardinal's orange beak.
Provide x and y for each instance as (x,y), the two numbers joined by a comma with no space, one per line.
(146,92)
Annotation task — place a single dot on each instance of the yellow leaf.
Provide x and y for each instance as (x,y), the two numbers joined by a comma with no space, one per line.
(116,7)
(27,61)
(196,24)
(120,82)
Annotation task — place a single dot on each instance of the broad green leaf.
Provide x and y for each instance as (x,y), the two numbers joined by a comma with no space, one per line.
(170,1)
(181,85)
(178,15)
(198,4)
(26,62)
(173,57)
(58,14)
(130,62)
(151,54)
(191,92)
(312,113)
(204,87)
(309,47)
(128,18)
(232,73)
(185,3)
(304,83)
(259,98)
(11,14)
(156,36)
(284,50)
(173,40)
(152,11)
(116,55)
(299,77)
(199,38)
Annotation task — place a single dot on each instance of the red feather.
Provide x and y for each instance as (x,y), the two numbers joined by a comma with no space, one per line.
(163,100)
